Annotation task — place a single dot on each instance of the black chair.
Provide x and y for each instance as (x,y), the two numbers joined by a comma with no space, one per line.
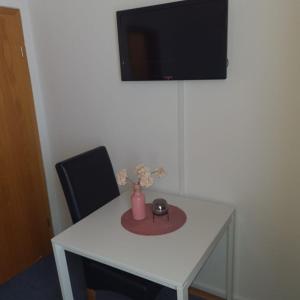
(88,182)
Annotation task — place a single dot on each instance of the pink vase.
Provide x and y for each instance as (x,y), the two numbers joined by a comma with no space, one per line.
(138,206)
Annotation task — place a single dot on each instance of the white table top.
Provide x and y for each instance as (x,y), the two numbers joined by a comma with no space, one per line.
(170,259)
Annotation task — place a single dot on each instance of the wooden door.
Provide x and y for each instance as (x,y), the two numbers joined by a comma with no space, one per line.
(25,229)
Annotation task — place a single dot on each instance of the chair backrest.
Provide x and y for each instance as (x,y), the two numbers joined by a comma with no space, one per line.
(88,182)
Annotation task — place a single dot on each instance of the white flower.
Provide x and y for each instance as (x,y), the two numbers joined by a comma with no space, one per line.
(159,172)
(141,170)
(122,177)
(146,180)
(144,175)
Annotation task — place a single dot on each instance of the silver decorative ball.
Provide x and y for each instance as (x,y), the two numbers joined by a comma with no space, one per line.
(160,207)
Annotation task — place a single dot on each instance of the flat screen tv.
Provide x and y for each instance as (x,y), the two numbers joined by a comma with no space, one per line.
(182,40)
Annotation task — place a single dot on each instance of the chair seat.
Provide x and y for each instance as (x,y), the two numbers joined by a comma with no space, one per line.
(119,281)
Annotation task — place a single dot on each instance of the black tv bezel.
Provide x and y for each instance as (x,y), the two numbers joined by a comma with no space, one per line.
(122,47)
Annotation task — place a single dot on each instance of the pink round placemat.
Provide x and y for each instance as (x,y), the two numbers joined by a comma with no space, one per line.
(157,226)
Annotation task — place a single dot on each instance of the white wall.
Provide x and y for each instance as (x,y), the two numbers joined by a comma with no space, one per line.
(241,142)
(85,102)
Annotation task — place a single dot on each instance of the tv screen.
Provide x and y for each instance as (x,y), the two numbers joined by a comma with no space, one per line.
(182,40)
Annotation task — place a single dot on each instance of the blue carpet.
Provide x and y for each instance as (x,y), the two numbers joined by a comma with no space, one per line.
(40,282)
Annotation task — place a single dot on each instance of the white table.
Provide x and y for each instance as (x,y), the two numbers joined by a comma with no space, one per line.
(172,260)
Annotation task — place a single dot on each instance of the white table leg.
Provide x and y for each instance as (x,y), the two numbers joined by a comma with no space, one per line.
(182,293)
(63,272)
(229,261)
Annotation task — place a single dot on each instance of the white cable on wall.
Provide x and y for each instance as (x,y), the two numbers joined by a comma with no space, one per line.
(181,137)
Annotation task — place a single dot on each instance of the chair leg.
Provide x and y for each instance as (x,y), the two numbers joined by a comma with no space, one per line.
(91,294)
